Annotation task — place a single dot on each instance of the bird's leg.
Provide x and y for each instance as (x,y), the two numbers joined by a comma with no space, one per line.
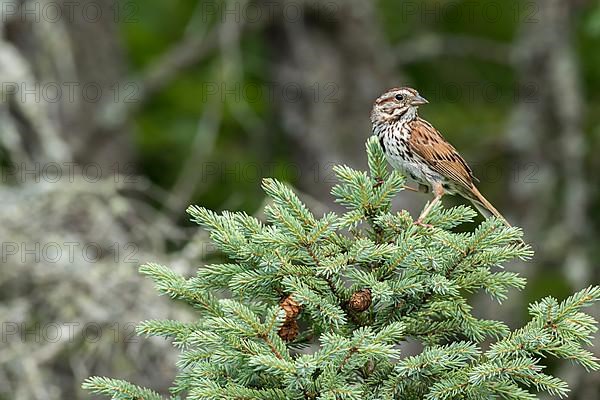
(438,190)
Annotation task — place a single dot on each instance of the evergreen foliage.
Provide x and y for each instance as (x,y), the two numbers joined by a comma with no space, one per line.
(416,281)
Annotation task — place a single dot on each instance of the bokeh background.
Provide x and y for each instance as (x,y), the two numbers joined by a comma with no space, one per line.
(117,114)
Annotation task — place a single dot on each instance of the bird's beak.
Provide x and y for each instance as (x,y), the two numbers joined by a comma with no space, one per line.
(417,101)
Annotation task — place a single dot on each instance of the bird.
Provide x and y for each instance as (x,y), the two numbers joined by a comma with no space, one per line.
(413,146)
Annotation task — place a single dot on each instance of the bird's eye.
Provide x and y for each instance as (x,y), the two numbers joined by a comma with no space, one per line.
(399,97)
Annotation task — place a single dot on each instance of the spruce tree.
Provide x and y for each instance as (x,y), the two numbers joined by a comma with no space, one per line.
(316,308)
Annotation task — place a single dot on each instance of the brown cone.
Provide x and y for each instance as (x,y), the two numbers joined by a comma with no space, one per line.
(291,307)
(289,330)
(360,300)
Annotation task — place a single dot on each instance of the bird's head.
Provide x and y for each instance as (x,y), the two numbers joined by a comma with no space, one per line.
(395,103)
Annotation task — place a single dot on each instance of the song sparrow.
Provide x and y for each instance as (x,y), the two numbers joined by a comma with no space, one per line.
(415,147)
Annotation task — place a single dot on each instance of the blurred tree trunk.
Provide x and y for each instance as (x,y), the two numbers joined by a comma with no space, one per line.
(59,67)
(340,61)
(66,64)
(546,128)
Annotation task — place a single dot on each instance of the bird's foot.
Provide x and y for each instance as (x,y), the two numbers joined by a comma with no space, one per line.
(378,182)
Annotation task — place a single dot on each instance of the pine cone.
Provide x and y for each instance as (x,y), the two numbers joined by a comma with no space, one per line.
(291,307)
(289,330)
(360,300)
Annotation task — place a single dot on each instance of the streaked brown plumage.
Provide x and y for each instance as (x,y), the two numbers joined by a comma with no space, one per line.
(415,147)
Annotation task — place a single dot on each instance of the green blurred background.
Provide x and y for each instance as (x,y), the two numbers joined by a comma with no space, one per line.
(116,115)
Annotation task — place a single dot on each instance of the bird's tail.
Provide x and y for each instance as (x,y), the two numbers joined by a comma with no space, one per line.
(485,207)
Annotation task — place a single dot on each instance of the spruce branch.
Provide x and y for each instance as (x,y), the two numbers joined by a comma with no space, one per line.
(118,389)
(318,308)
(175,286)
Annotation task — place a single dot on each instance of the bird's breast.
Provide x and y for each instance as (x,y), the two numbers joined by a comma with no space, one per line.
(395,140)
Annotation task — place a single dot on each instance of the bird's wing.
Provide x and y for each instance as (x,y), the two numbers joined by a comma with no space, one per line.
(427,143)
